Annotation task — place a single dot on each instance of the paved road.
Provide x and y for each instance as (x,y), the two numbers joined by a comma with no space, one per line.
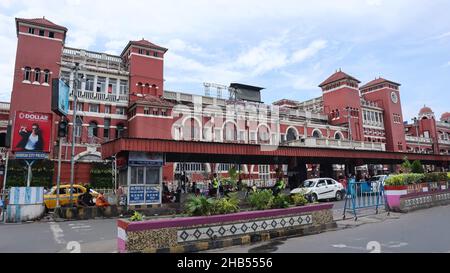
(52,237)
(420,231)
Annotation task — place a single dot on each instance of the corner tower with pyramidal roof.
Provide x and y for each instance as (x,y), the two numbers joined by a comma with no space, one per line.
(341,102)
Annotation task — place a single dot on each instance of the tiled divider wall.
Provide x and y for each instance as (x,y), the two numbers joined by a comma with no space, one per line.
(180,233)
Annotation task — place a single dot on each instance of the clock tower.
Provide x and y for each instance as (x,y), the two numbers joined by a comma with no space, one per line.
(387,94)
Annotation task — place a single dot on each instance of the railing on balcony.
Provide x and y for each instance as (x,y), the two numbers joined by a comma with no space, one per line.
(445,142)
(418,139)
(101,96)
(337,144)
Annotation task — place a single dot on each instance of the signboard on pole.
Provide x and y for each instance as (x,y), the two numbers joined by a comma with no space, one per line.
(31,135)
(60,97)
(153,194)
(136,195)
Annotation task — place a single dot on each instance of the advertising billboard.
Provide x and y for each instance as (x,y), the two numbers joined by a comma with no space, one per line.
(60,97)
(31,134)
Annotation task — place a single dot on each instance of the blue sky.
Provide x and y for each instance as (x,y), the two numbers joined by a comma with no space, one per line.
(288,46)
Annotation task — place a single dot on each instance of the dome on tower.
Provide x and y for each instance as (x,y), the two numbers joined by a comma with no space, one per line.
(425,110)
(445,116)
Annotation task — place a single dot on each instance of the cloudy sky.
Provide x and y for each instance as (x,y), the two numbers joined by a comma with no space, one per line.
(286,46)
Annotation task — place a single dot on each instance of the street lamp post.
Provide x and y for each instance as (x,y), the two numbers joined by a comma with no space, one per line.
(74,122)
(416,124)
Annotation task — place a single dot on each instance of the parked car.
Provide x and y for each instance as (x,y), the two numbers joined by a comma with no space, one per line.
(321,188)
(64,195)
(377,181)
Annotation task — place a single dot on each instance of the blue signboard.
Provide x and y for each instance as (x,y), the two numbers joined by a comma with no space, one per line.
(152,194)
(136,195)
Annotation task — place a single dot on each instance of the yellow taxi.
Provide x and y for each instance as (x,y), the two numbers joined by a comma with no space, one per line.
(64,195)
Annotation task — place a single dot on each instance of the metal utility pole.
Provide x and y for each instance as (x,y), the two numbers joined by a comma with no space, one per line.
(58,179)
(74,122)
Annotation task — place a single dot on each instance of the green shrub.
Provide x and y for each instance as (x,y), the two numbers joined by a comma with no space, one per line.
(101,176)
(448,176)
(435,177)
(225,205)
(280,201)
(199,205)
(261,199)
(413,178)
(136,217)
(298,199)
(42,173)
(395,180)
(416,167)
(443,177)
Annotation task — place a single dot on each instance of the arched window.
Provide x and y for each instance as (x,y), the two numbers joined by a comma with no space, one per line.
(338,136)
(37,75)
(317,134)
(46,76)
(93,129)
(229,132)
(263,134)
(191,129)
(291,134)
(147,88)
(27,74)
(139,87)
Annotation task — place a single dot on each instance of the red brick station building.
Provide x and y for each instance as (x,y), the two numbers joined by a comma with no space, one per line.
(124,110)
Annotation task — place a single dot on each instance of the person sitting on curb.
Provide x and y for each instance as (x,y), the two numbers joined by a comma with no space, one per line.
(101,201)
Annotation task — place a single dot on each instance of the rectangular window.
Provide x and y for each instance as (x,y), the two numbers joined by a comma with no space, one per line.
(51,34)
(151,175)
(163,112)
(107,109)
(155,54)
(31,30)
(90,82)
(147,53)
(101,84)
(155,112)
(112,86)
(146,111)
(79,106)
(141,51)
(120,111)
(137,175)
(123,87)
(41,32)
(106,124)
(94,108)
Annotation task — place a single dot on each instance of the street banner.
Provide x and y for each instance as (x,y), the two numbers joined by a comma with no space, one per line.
(32,133)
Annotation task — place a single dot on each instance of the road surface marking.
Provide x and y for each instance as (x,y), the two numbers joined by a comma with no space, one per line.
(57,232)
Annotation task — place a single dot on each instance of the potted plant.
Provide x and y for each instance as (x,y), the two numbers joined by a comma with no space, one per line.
(395,186)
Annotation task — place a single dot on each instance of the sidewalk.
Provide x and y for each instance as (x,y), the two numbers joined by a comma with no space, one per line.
(365,216)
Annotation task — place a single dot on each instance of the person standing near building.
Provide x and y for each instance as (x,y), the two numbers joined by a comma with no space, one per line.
(215,186)
(279,186)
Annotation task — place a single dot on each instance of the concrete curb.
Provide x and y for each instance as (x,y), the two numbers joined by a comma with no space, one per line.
(244,240)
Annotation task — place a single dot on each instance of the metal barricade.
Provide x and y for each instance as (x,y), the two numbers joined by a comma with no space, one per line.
(363,195)
(3,204)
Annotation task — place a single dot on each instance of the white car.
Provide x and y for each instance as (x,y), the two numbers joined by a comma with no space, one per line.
(377,181)
(321,188)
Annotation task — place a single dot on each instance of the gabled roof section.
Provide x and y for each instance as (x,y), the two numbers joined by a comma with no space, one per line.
(144,43)
(339,75)
(378,81)
(40,22)
(153,101)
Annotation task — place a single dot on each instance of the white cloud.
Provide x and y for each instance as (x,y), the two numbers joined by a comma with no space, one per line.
(305,53)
